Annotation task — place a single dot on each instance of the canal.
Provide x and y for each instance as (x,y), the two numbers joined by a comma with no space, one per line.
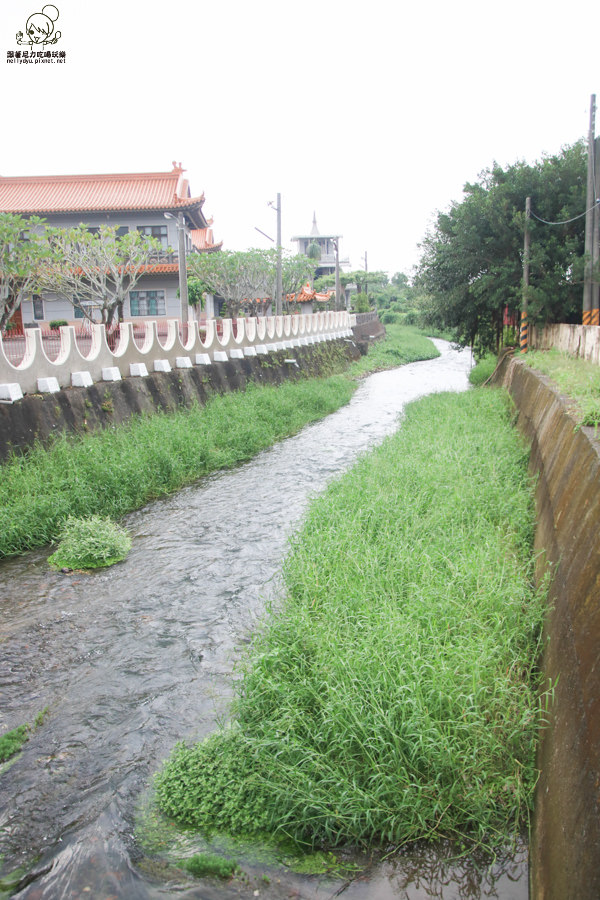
(130,660)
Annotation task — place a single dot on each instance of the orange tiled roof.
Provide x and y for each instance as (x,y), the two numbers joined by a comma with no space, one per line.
(85,193)
(203,239)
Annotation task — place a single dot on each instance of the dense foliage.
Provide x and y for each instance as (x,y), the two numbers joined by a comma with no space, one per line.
(393,696)
(471,268)
(90,543)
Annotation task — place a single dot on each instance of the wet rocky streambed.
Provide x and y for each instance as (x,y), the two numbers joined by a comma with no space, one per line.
(130,660)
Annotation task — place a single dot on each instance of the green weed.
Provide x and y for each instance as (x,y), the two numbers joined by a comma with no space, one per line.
(577,378)
(91,543)
(202,864)
(392,696)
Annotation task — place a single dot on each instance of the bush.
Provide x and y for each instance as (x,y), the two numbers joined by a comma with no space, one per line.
(90,544)
(55,324)
(391,318)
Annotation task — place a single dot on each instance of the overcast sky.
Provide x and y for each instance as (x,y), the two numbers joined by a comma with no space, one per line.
(372,114)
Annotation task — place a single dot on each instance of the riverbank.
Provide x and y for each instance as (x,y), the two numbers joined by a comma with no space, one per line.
(392,697)
(121,467)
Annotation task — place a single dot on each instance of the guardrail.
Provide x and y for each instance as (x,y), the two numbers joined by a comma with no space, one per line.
(82,360)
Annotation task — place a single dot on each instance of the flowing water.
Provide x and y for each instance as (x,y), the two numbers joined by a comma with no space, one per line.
(130,660)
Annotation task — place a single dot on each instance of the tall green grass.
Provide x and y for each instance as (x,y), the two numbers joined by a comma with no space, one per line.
(577,378)
(392,697)
(112,472)
(402,344)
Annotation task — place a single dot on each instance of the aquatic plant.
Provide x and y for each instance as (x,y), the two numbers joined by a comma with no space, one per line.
(92,543)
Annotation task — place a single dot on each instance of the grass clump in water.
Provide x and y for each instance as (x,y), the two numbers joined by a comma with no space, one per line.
(92,543)
(202,864)
(12,741)
(392,697)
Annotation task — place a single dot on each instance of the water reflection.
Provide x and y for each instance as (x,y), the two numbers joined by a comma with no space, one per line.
(130,660)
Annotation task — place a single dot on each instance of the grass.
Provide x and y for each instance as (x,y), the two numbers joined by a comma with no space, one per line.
(202,864)
(90,544)
(392,696)
(483,370)
(402,345)
(12,741)
(577,378)
(112,472)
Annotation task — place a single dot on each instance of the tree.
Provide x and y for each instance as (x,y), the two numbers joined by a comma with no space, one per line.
(95,271)
(471,268)
(242,278)
(23,252)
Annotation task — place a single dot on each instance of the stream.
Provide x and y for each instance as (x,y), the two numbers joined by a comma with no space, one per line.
(129,660)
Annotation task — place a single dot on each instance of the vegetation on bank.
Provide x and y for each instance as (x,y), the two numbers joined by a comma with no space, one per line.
(112,472)
(392,695)
(577,378)
(402,345)
(90,543)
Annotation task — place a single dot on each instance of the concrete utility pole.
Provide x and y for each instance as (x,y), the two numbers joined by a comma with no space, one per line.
(336,244)
(524,335)
(278,305)
(589,218)
(596,239)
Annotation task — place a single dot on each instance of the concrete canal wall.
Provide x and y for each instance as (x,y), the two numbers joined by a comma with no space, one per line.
(565,845)
(80,409)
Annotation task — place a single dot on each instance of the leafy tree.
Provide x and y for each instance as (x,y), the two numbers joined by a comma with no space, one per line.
(242,278)
(471,268)
(23,252)
(95,271)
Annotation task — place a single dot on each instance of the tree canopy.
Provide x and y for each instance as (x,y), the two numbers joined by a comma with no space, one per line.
(471,267)
(23,254)
(242,277)
(96,270)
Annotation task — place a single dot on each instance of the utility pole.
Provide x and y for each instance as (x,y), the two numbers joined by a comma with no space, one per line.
(589,218)
(278,306)
(336,244)
(596,238)
(524,335)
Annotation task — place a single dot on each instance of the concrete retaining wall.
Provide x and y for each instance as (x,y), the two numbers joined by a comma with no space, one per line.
(565,845)
(576,340)
(80,409)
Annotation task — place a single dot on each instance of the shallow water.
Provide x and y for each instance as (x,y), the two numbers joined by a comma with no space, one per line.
(130,660)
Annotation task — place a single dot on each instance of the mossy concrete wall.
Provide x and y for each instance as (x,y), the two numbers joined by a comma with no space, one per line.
(39,416)
(565,843)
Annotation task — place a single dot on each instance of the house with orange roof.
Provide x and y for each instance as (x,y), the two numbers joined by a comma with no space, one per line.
(146,202)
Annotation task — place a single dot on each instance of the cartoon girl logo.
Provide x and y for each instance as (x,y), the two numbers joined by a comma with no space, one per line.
(40,27)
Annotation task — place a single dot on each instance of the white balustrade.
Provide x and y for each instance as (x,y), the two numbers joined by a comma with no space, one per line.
(135,356)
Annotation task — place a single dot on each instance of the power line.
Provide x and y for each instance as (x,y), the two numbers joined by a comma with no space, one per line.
(567,221)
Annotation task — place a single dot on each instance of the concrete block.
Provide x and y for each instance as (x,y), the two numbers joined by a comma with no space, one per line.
(280,345)
(183,362)
(203,359)
(138,369)
(271,348)
(249,351)
(261,349)
(10,392)
(236,353)
(81,379)
(162,365)
(48,385)
(111,373)
(220,356)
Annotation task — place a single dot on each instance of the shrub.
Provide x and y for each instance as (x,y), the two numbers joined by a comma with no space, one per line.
(90,544)
(55,324)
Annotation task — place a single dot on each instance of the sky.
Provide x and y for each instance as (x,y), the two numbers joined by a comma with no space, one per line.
(373,115)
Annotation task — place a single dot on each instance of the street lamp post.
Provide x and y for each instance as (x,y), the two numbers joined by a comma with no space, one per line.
(181,256)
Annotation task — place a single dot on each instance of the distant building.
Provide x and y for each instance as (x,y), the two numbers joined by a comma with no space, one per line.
(126,202)
(326,244)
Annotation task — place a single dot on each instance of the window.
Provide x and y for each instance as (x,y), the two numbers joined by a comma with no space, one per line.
(38,307)
(78,311)
(147,303)
(158,232)
(120,230)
